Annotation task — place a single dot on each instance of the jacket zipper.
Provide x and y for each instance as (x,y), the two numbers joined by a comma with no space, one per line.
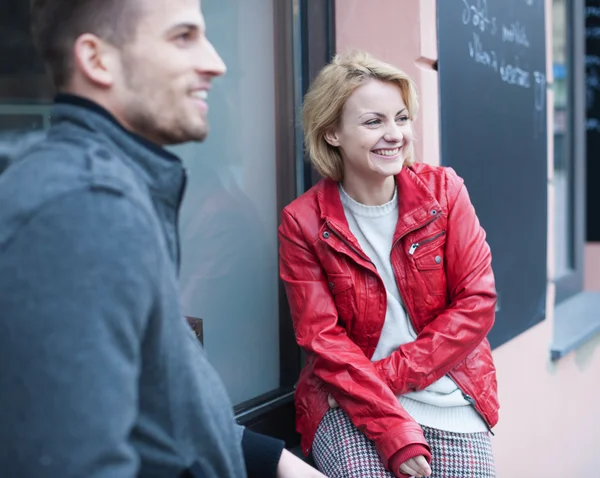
(472,402)
(339,236)
(411,251)
(416,245)
(179,200)
(408,314)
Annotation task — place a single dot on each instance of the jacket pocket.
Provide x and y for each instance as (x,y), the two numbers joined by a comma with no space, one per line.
(429,259)
(342,289)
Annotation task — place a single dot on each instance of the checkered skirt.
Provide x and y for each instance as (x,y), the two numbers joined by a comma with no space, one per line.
(340,450)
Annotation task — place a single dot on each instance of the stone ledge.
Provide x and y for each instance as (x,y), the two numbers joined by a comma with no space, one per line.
(576,320)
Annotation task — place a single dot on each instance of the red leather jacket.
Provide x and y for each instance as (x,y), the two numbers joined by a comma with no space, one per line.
(442,265)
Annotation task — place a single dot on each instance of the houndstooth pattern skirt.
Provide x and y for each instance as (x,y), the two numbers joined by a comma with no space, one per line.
(340,450)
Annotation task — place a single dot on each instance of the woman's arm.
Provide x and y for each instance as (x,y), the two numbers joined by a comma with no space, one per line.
(455,333)
(351,377)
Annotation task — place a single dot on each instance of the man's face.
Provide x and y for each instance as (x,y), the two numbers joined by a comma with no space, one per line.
(161,88)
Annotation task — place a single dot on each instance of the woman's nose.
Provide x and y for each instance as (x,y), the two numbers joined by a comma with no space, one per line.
(393,134)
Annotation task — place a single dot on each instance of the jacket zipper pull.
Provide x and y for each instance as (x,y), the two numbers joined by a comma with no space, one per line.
(471,401)
(413,248)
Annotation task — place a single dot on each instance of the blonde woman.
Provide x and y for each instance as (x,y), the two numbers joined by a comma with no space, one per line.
(390,284)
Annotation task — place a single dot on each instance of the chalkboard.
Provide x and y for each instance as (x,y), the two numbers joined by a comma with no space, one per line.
(492,64)
(592,70)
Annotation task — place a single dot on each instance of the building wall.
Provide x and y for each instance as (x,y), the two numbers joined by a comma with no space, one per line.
(549,422)
(592,266)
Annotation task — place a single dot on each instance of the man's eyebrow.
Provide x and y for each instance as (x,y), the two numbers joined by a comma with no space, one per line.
(184,26)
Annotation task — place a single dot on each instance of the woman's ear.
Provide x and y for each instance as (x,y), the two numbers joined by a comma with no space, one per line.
(332,138)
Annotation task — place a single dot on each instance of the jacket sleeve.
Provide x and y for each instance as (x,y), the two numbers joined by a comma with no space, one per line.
(454,334)
(350,376)
(261,454)
(77,288)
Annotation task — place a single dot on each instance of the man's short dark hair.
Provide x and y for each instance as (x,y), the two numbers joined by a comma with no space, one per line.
(56,24)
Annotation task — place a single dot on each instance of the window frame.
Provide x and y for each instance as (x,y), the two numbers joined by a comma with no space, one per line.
(304,43)
(571,283)
(575,314)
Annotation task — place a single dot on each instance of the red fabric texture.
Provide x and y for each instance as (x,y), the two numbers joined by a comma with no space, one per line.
(338,302)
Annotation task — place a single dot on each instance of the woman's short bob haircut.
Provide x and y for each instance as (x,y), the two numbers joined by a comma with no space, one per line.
(327,96)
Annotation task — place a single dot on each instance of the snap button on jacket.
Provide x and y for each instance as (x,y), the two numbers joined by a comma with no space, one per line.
(442,266)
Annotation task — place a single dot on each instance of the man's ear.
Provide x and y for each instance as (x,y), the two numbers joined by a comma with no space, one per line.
(94,60)
(332,138)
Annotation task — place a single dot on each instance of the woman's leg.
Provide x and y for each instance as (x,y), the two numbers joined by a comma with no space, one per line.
(340,450)
(460,455)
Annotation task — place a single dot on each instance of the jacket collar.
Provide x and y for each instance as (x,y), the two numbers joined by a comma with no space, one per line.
(416,205)
(162,171)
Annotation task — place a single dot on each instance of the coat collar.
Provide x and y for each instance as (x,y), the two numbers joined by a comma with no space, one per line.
(416,205)
(161,170)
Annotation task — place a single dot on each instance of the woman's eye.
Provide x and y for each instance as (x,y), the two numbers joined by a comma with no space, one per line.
(402,119)
(373,122)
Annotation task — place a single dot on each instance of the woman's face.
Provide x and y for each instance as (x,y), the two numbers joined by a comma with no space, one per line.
(374,132)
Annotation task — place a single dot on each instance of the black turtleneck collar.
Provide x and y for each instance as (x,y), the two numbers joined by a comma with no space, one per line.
(80,101)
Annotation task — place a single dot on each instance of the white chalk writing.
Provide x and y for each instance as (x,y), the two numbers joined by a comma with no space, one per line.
(477,14)
(539,90)
(480,55)
(515,33)
(539,103)
(592,124)
(592,32)
(592,11)
(592,60)
(592,82)
(513,75)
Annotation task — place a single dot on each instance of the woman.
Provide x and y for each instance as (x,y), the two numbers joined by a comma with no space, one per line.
(390,284)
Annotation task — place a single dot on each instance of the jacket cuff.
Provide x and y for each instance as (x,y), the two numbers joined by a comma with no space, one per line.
(405,454)
(261,454)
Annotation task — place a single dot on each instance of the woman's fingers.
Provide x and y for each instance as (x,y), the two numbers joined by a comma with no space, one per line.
(407,469)
(416,466)
(423,466)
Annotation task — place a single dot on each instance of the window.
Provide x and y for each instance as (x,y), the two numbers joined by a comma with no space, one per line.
(25,90)
(563,211)
(567,64)
(575,318)
(239,180)
(229,218)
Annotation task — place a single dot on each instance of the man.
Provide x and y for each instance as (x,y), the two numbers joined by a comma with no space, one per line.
(101,376)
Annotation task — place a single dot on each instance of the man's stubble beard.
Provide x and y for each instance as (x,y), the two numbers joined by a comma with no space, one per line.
(140,114)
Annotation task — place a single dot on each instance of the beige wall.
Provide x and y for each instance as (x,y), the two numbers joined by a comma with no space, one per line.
(401,32)
(592,269)
(549,418)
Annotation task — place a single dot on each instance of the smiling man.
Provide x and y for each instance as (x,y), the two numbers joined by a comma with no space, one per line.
(101,376)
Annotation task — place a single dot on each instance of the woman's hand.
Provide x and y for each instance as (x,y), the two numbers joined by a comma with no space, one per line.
(331,401)
(416,466)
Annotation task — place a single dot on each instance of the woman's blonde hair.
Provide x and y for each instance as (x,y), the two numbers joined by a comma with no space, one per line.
(327,96)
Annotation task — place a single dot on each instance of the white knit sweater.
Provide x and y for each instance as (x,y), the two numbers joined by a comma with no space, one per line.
(441,405)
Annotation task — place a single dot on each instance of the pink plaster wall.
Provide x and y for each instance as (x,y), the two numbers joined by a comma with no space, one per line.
(549,418)
(592,266)
(402,32)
